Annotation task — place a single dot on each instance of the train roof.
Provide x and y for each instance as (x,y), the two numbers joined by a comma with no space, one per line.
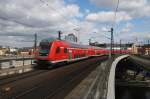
(74,45)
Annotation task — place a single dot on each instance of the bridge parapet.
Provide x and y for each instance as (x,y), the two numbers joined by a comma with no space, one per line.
(15,65)
(100,82)
(111,79)
(15,62)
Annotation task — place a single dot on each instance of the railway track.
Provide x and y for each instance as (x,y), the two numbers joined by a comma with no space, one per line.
(37,70)
(53,83)
(143,56)
(13,78)
(77,77)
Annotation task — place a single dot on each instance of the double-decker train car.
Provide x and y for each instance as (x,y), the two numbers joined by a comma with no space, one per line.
(53,51)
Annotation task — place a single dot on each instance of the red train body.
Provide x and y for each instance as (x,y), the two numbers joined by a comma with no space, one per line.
(53,51)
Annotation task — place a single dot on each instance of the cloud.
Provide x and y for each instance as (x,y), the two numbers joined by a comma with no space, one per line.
(40,15)
(108,16)
(133,14)
(135,8)
(128,27)
(104,3)
(141,35)
(19,17)
(26,14)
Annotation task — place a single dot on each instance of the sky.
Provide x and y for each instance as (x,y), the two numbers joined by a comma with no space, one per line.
(88,19)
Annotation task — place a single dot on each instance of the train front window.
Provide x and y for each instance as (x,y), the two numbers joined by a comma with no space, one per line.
(44,48)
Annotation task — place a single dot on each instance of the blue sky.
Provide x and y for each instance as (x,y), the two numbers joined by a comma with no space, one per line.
(18,17)
(138,23)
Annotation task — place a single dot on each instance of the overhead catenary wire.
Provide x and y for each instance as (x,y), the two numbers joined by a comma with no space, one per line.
(114,24)
(112,31)
(115,13)
(64,17)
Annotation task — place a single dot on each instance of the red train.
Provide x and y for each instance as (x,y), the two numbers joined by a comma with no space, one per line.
(54,51)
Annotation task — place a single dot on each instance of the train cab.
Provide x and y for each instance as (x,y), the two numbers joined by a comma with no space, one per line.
(52,51)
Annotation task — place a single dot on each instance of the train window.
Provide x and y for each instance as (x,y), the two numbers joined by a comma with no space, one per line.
(65,50)
(58,50)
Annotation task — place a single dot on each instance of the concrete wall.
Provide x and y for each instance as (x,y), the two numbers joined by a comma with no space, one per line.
(15,63)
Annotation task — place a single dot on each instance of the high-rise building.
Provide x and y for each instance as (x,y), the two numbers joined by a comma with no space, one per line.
(71,37)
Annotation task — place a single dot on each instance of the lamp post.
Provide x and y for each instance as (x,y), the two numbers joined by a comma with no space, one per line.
(120,46)
(78,36)
(59,35)
(148,47)
(35,42)
(111,41)
(90,40)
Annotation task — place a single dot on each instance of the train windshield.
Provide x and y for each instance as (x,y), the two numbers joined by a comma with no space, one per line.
(44,48)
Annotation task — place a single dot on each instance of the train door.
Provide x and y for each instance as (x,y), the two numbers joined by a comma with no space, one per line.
(58,53)
(70,54)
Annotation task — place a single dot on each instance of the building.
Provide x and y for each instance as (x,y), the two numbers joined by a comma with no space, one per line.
(135,49)
(145,49)
(4,51)
(13,50)
(1,52)
(141,49)
(26,51)
(71,37)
